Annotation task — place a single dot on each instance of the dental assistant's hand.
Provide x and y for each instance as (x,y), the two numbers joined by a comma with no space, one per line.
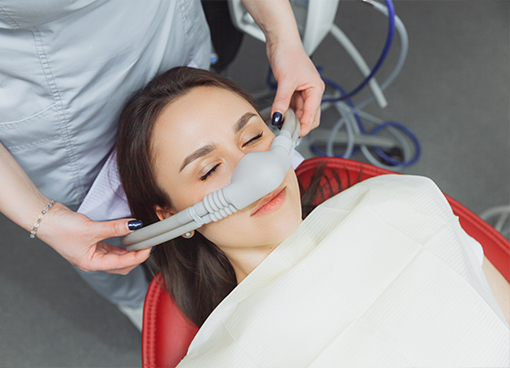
(74,236)
(299,84)
(80,240)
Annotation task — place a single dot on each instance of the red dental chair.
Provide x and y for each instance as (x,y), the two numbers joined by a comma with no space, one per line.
(167,334)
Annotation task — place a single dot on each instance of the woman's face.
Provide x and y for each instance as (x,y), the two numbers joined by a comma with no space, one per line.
(197,142)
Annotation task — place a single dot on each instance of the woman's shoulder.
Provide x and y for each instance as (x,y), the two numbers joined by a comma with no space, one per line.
(394,193)
(393,182)
(415,189)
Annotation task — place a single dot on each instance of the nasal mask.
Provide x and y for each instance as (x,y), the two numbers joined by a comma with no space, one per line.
(257,174)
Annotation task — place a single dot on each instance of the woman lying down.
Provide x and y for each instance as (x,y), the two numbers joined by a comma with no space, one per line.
(380,275)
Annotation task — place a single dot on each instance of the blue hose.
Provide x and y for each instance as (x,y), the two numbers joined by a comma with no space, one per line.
(382,57)
(409,133)
(376,130)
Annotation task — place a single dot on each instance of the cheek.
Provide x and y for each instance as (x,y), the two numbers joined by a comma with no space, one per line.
(221,232)
(191,190)
(182,197)
(227,230)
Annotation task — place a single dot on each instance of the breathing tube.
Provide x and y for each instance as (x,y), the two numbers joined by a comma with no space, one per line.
(351,115)
(257,174)
(384,53)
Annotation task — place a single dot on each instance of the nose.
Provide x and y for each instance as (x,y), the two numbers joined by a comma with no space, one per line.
(259,173)
(238,154)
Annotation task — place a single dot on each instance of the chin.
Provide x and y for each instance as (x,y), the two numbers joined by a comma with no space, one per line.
(275,227)
(271,231)
(281,228)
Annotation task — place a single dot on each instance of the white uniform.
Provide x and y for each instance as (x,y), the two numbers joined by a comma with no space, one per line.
(66,69)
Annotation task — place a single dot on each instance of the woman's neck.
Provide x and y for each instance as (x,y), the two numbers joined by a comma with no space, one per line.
(245,260)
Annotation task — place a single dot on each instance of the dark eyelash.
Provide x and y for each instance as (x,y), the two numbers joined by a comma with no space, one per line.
(253,139)
(203,177)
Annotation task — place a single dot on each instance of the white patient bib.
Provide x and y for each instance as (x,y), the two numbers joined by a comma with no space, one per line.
(378,276)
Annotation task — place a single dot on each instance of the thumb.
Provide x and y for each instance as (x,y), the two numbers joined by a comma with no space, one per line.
(114,228)
(284,94)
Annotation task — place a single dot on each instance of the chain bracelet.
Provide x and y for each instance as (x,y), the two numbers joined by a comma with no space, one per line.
(36,226)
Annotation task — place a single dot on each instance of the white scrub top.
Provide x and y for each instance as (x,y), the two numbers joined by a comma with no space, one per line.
(68,66)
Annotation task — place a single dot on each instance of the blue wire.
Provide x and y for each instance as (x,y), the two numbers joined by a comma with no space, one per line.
(382,57)
(409,133)
(320,152)
(376,130)
(379,151)
(347,98)
(349,101)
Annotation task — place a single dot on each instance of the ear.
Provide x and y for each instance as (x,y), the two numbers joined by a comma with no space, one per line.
(163,213)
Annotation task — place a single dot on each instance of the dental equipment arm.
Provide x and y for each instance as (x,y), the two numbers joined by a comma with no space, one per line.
(256,175)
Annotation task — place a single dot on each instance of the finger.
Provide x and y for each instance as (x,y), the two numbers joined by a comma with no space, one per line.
(284,94)
(123,271)
(297,105)
(105,248)
(316,120)
(311,111)
(118,263)
(112,259)
(110,229)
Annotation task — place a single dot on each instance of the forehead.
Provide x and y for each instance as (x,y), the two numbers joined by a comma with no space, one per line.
(201,116)
(202,108)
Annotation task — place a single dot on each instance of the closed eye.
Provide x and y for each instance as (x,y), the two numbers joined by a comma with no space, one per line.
(210,172)
(253,139)
(204,177)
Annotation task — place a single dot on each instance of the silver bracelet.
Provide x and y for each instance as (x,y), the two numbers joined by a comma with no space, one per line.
(34,230)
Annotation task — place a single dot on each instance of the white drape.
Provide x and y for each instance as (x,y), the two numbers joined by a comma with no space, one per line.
(380,275)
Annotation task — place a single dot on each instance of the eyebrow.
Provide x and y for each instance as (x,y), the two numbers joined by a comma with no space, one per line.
(205,150)
(202,151)
(243,121)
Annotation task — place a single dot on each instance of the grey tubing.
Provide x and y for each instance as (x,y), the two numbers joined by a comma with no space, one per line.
(256,175)
(161,238)
(180,219)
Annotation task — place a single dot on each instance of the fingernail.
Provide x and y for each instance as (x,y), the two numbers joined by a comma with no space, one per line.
(134,224)
(153,249)
(277,119)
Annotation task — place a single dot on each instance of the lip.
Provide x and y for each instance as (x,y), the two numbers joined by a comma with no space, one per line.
(270,202)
